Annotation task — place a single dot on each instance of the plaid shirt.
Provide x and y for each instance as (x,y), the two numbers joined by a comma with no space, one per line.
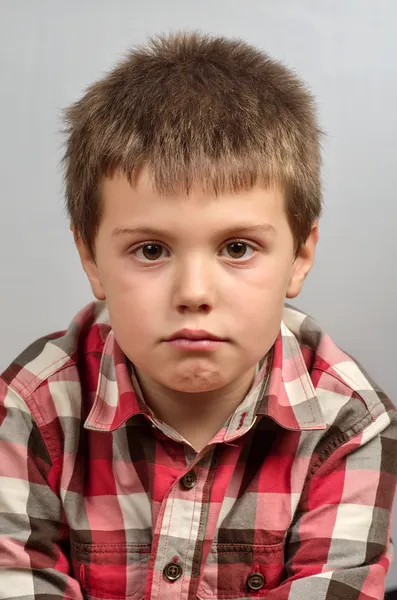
(99,499)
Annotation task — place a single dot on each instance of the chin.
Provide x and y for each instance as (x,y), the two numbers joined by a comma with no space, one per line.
(196,380)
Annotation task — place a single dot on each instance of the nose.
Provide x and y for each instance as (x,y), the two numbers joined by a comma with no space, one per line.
(194,285)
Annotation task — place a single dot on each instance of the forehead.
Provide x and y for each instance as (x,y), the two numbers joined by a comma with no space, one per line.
(137,202)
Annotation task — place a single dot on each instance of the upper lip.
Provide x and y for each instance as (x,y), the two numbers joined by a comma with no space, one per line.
(194,334)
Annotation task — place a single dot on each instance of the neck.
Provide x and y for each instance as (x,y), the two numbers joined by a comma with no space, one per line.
(198,416)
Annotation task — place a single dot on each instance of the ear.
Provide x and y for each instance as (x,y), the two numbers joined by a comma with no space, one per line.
(303,263)
(89,265)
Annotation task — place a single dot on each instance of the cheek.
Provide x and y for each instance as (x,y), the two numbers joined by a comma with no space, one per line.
(267,284)
(133,311)
(128,287)
(134,326)
(259,319)
(260,302)
(117,275)
(134,307)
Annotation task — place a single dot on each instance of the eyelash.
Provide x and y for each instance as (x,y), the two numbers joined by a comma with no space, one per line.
(134,249)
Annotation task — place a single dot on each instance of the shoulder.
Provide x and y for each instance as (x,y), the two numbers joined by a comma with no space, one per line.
(348,397)
(59,362)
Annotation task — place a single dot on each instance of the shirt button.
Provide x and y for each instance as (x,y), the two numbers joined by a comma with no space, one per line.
(172,571)
(256,581)
(189,480)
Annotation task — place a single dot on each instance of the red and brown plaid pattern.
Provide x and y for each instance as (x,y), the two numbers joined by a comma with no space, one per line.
(291,499)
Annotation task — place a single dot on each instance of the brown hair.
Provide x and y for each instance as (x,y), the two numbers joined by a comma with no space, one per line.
(195,110)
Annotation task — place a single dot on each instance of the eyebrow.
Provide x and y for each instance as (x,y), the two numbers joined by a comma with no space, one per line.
(263,228)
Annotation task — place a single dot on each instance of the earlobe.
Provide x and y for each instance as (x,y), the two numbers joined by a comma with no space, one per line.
(303,263)
(295,286)
(90,267)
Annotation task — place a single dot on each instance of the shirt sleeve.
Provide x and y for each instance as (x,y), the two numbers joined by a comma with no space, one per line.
(339,545)
(33,536)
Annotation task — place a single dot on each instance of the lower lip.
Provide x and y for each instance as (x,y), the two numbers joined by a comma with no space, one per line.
(185,344)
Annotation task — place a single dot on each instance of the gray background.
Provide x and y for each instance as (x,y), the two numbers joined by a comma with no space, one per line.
(345,49)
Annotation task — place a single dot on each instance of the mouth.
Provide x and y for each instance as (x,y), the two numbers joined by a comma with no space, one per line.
(194,335)
(189,339)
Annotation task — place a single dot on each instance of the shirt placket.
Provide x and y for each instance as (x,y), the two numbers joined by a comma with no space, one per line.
(180,524)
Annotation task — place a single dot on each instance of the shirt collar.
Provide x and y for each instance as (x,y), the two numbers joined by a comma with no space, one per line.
(282,390)
(290,399)
(115,398)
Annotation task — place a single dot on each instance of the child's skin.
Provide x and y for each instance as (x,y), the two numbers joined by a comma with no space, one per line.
(194,278)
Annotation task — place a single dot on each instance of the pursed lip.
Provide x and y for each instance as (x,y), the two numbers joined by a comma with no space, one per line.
(194,334)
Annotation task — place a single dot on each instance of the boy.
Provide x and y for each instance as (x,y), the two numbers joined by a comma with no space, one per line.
(188,436)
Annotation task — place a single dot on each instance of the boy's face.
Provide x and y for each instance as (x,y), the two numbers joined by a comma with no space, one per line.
(221,264)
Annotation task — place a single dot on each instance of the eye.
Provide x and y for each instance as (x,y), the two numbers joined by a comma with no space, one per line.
(238,249)
(148,252)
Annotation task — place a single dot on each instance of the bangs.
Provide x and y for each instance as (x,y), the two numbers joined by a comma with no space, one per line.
(195,111)
(214,178)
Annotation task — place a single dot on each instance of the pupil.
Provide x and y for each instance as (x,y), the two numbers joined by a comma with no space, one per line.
(238,248)
(152,251)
